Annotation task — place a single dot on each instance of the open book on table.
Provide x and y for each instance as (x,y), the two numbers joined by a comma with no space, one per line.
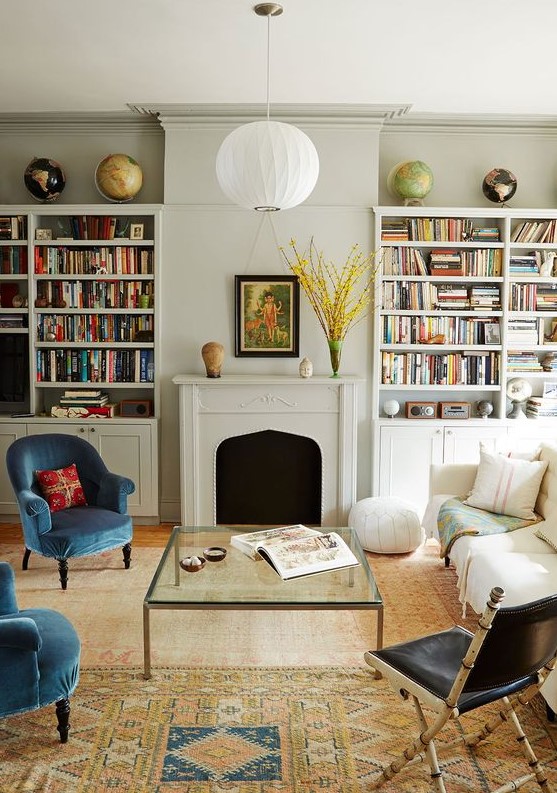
(296,551)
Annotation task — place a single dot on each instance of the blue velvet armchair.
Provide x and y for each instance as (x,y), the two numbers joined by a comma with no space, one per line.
(99,526)
(39,657)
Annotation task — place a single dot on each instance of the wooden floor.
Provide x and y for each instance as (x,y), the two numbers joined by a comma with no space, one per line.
(143,536)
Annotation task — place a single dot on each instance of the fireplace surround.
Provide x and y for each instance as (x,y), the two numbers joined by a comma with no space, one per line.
(322,410)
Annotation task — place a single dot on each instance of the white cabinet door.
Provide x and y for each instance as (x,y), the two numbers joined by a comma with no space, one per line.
(462,444)
(128,448)
(8,434)
(406,454)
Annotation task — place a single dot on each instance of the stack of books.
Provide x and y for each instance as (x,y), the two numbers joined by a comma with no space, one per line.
(445,262)
(84,403)
(394,230)
(546,297)
(524,332)
(485,297)
(541,407)
(523,361)
(528,263)
(452,296)
(485,234)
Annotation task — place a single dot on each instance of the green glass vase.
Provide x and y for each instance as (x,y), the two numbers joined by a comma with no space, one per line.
(335,351)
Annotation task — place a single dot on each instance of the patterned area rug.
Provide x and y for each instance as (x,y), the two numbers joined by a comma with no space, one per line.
(297,730)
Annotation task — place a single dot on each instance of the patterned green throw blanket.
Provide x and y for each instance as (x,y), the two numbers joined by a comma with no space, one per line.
(456,519)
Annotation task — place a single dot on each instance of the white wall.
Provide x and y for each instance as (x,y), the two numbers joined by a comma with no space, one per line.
(206,241)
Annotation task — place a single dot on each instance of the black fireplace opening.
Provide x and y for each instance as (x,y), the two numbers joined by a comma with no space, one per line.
(268,478)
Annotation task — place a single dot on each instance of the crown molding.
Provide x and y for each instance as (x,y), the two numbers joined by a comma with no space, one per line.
(460,123)
(77,123)
(217,116)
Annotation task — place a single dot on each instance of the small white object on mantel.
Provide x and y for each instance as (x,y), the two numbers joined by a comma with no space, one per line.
(305,368)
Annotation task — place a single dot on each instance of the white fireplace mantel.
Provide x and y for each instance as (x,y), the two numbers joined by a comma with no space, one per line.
(213,409)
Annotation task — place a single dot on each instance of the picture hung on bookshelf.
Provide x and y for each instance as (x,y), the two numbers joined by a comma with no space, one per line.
(267,311)
(43,234)
(492,333)
(136,231)
(550,389)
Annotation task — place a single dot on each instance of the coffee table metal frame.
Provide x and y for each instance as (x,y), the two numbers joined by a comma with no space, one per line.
(174,589)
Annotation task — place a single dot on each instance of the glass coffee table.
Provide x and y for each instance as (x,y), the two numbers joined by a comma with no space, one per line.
(239,582)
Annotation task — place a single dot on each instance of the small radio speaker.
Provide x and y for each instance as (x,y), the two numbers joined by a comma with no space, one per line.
(135,408)
(421,410)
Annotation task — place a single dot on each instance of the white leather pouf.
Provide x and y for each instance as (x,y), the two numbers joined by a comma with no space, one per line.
(386,525)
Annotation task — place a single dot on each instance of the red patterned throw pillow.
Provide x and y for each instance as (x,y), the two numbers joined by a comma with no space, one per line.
(61,488)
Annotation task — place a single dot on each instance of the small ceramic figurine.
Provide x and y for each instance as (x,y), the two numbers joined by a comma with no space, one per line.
(546,267)
(306,368)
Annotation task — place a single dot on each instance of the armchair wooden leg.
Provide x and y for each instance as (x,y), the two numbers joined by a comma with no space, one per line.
(127,551)
(63,716)
(25,561)
(63,570)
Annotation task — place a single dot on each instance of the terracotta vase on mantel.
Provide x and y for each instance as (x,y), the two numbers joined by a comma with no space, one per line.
(212,353)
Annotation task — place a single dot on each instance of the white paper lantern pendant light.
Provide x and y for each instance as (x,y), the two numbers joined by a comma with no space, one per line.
(267,165)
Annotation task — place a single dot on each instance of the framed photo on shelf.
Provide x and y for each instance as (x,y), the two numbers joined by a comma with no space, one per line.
(492,333)
(267,316)
(550,389)
(136,231)
(43,234)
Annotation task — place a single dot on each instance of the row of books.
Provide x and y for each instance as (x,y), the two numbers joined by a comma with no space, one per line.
(13,227)
(62,365)
(84,404)
(418,368)
(13,260)
(430,229)
(117,260)
(93,227)
(533,297)
(480,262)
(96,294)
(427,296)
(535,231)
(454,330)
(109,328)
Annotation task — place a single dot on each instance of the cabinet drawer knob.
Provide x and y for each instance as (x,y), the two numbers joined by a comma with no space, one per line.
(82,429)
(92,429)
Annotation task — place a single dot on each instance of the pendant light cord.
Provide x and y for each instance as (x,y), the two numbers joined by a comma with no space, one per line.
(268,65)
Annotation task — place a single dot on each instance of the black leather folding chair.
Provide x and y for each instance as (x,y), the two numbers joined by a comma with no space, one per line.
(455,671)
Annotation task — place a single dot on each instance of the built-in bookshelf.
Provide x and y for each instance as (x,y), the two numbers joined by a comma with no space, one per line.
(78,286)
(465,301)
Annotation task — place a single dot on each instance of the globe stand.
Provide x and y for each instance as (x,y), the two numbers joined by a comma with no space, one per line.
(414,202)
(517,411)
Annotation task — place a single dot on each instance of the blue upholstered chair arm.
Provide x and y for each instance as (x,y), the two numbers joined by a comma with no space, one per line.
(36,510)
(114,491)
(19,633)
(8,599)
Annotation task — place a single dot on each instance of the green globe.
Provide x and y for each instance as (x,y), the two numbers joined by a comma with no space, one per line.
(410,180)
(118,177)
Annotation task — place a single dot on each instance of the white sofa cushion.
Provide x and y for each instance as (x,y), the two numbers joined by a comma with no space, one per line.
(506,485)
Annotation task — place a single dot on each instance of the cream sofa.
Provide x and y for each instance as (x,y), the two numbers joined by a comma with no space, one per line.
(524,565)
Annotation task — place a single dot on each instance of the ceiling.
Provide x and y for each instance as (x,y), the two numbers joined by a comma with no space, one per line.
(437,56)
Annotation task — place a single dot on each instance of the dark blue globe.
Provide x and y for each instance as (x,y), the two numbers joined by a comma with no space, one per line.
(44,179)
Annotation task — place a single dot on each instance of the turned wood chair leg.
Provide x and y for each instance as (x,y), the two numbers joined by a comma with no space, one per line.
(63,570)
(447,561)
(127,551)
(63,716)
(25,561)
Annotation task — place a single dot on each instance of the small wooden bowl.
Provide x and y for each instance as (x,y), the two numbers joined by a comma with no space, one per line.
(190,567)
(214,553)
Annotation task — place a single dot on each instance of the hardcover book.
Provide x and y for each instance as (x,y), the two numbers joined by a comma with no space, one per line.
(296,551)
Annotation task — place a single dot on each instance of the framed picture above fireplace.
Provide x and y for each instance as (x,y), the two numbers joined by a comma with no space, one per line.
(267,316)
